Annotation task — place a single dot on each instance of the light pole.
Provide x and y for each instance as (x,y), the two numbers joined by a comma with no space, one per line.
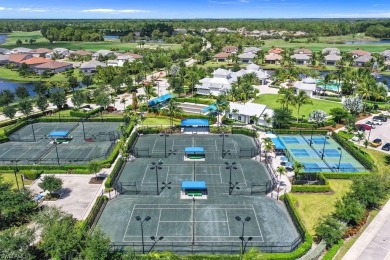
(230,167)
(323,148)
(16,170)
(165,139)
(58,158)
(165,185)
(246,242)
(369,134)
(32,128)
(341,154)
(138,218)
(223,135)
(303,116)
(155,239)
(247,219)
(82,122)
(157,166)
(311,136)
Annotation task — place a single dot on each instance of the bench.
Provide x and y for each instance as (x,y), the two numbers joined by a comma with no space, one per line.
(195,194)
(195,157)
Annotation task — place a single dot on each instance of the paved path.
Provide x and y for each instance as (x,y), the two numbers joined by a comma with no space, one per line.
(374,243)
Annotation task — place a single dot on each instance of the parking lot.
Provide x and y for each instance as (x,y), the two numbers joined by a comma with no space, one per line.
(380,131)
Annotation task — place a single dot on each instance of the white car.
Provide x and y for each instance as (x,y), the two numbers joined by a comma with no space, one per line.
(355,138)
(377,122)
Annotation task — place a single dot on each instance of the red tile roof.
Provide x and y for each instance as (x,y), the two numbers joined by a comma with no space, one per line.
(41,51)
(134,55)
(276,50)
(18,57)
(360,52)
(303,51)
(52,65)
(230,48)
(35,61)
(82,53)
(222,55)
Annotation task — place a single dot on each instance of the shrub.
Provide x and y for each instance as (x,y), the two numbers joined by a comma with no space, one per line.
(349,210)
(244,131)
(82,114)
(303,131)
(345,135)
(51,183)
(15,127)
(333,250)
(195,100)
(32,175)
(310,188)
(369,190)
(114,174)
(330,230)
(344,175)
(88,222)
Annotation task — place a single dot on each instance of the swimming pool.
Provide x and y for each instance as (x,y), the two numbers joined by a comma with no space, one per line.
(332,86)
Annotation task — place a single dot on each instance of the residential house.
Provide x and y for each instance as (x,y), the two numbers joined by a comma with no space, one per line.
(332,59)
(250,113)
(177,31)
(134,55)
(273,58)
(53,67)
(252,49)
(222,30)
(362,60)
(309,85)
(386,54)
(303,51)
(299,34)
(230,49)
(82,53)
(122,58)
(222,56)
(4,59)
(5,51)
(301,59)
(329,51)
(359,53)
(40,52)
(21,50)
(276,50)
(35,61)
(17,58)
(222,79)
(247,57)
(58,52)
(387,65)
(91,66)
(103,53)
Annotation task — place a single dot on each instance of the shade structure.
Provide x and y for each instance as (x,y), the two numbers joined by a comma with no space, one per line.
(160,99)
(195,123)
(194,150)
(193,185)
(277,143)
(58,134)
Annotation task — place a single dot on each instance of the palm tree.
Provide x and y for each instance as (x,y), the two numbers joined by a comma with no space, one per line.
(150,91)
(268,146)
(193,79)
(287,99)
(301,99)
(364,90)
(298,168)
(281,171)
(173,110)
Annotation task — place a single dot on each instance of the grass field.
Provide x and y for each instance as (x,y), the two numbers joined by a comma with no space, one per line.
(314,206)
(13,75)
(41,42)
(381,160)
(271,101)
(159,121)
(10,177)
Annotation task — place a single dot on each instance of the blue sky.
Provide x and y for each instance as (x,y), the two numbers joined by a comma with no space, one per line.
(115,9)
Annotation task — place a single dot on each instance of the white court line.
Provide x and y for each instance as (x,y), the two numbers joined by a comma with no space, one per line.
(158,223)
(258,225)
(227,221)
(216,147)
(128,224)
(190,221)
(195,208)
(155,140)
(220,173)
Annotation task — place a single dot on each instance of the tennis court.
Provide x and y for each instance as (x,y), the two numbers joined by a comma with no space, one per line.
(197,224)
(319,154)
(34,143)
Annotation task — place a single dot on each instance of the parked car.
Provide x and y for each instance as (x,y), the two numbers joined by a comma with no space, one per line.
(111,109)
(386,147)
(376,143)
(370,124)
(377,122)
(381,118)
(363,127)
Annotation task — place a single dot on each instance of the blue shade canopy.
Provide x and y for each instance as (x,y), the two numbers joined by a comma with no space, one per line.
(210,108)
(160,99)
(55,134)
(284,159)
(277,143)
(193,185)
(195,122)
(194,150)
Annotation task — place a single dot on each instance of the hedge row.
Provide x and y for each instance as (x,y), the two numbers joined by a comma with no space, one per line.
(50,119)
(15,127)
(344,175)
(111,158)
(358,154)
(195,100)
(88,222)
(114,174)
(310,125)
(79,113)
(313,188)
(333,251)
(299,131)
(129,129)
(244,131)
(70,168)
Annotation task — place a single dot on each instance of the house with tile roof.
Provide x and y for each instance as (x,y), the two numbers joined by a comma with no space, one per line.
(332,59)
(301,59)
(53,67)
(359,52)
(303,51)
(17,58)
(35,61)
(222,56)
(40,52)
(230,49)
(90,67)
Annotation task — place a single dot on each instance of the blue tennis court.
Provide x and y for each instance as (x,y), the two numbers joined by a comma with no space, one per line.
(311,167)
(319,140)
(290,140)
(331,153)
(300,152)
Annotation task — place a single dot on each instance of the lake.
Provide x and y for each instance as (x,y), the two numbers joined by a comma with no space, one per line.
(110,37)
(11,85)
(384,41)
(3,37)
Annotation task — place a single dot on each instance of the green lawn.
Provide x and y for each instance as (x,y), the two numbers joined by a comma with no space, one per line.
(159,121)
(271,101)
(381,159)
(314,206)
(10,177)
(90,46)
(13,75)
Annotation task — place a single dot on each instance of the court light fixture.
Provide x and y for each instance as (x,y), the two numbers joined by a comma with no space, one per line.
(139,219)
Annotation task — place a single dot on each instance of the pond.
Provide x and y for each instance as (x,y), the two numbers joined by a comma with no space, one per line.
(12,85)
(3,37)
(110,37)
(383,41)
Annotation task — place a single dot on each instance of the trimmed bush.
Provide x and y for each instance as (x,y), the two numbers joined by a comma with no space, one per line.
(114,174)
(82,114)
(15,127)
(244,131)
(333,250)
(358,154)
(311,188)
(195,100)
(344,175)
(32,175)
(88,222)
(303,131)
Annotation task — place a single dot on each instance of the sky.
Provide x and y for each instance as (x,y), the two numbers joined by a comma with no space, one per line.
(135,9)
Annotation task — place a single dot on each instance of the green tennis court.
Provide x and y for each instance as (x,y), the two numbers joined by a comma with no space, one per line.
(204,223)
(33,144)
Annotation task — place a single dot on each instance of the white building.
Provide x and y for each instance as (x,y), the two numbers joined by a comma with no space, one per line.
(250,113)
(309,85)
(59,52)
(222,80)
(90,67)
(120,60)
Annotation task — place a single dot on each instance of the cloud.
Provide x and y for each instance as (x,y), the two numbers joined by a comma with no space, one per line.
(113,11)
(38,10)
(4,8)
(385,14)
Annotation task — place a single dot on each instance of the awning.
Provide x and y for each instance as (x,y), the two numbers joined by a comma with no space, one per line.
(193,185)
(55,134)
(277,143)
(194,150)
(160,99)
(195,122)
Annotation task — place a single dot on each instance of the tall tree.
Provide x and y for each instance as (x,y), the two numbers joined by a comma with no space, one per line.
(58,98)
(42,103)
(73,82)
(96,246)
(173,110)
(9,111)
(26,107)
(78,98)
(21,92)
(87,80)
